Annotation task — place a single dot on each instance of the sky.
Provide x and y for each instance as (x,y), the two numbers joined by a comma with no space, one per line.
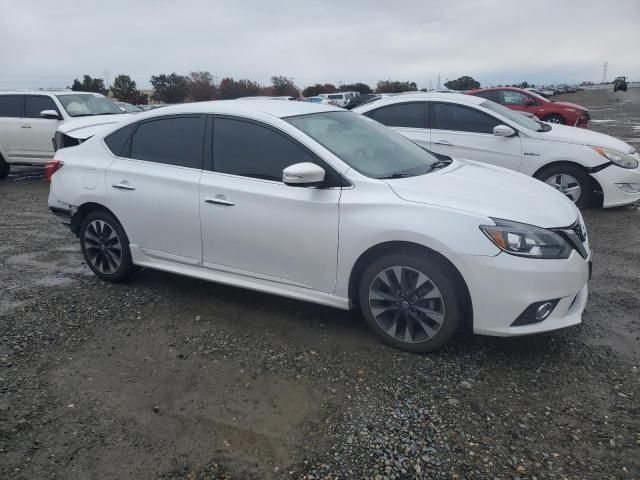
(46,44)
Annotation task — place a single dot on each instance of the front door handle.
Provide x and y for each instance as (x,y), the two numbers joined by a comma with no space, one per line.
(123,186)
(443,142)
(219,201)
(24,125)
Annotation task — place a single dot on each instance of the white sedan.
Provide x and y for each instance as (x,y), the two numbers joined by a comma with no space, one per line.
(575,161)
(320,204)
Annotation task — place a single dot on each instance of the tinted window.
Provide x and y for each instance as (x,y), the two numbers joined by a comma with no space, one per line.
(447,116)
(250,150)
(488,95)
(335,97)
(35,104)
(513,98)
(409,115)
(118,139)
(10,105)
(173,141)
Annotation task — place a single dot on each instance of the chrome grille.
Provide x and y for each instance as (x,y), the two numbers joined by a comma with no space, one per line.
(576,235)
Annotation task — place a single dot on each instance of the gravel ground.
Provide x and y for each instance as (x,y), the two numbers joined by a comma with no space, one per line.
(172,378)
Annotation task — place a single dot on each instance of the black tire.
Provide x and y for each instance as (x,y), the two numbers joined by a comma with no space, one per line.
(551,175)
(5,168)
(438,274)
(555,118)
(109,260)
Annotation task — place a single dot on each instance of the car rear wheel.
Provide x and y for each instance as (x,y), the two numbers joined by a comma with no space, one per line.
(555,118)
(105,247)
(570,180)
(410,301)
(5,168)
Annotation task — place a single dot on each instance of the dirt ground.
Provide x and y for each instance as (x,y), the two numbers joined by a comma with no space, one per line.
(167,377)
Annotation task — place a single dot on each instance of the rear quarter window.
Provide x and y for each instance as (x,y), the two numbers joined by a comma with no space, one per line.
(118,141)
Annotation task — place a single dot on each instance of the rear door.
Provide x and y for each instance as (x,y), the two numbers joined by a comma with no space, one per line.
(153,186)
(256,226)
(10,131)
(465,132)
(38,132)
(411,119)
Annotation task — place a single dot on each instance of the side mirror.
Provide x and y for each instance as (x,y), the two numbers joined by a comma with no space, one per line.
(50,114)
(124,110)
(304,174)
(503,131)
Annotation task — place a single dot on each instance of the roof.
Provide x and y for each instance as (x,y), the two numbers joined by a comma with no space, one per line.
(279,109)
(416,96)
(44,92)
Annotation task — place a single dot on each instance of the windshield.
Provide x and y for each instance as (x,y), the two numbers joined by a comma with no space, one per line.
(513,115)
(85,104)
(365,145)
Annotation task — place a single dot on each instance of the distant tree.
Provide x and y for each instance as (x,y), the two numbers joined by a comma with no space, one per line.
(230,88)
(462,83)
(200,87)
(318,88)
(363,88)
(284,86)
(394,86)
(124,89)
(171,88)
(89,84)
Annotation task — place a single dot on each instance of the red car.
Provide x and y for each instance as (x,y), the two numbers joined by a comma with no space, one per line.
(524,101)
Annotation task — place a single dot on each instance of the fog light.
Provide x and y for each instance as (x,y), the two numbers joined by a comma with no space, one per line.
(536,312)
(544,310)
(629,187)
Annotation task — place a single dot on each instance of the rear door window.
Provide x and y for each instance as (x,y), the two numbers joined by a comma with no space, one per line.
(175,141)
(10,105)
(449,116)
(408,115)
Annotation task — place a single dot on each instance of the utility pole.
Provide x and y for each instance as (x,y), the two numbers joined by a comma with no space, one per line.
(107,80)
(438,87)
(604,72)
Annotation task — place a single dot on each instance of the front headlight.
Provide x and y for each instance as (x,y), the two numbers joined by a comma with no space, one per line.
(526,240)
(620,159)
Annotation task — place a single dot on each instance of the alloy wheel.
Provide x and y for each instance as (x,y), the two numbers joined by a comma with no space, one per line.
(566,184)
(406,304)
(103,247)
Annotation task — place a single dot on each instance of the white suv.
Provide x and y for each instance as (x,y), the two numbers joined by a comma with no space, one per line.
(29,120)
(575,161)
(317,203)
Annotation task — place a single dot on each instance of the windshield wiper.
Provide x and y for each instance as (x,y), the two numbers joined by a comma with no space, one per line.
(440,164)
(396,175)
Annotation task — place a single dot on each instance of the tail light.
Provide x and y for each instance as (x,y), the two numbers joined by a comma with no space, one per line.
(51,167)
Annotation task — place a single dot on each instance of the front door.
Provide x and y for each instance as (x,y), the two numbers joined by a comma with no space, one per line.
(153,188)
(255,225)
(38,132)
(466,133)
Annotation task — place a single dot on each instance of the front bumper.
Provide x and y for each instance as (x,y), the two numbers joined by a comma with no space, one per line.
(502,287)
(611,178)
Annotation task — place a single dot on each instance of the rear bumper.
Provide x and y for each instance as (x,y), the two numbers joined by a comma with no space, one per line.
(63,214)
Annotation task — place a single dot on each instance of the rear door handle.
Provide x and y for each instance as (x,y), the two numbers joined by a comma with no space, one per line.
(24,125)
(123,186)
(219,201)
(443,142)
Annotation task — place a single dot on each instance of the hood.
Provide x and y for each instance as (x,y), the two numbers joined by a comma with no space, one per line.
(490,191)
(582,136)
(571,105)
(85,127)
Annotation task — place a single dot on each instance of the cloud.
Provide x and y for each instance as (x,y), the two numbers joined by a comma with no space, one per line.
(47,44)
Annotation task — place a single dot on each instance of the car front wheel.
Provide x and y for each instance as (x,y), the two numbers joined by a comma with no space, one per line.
(410,301)
(105,247)
(554,118)
(570,180)
(4,168)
